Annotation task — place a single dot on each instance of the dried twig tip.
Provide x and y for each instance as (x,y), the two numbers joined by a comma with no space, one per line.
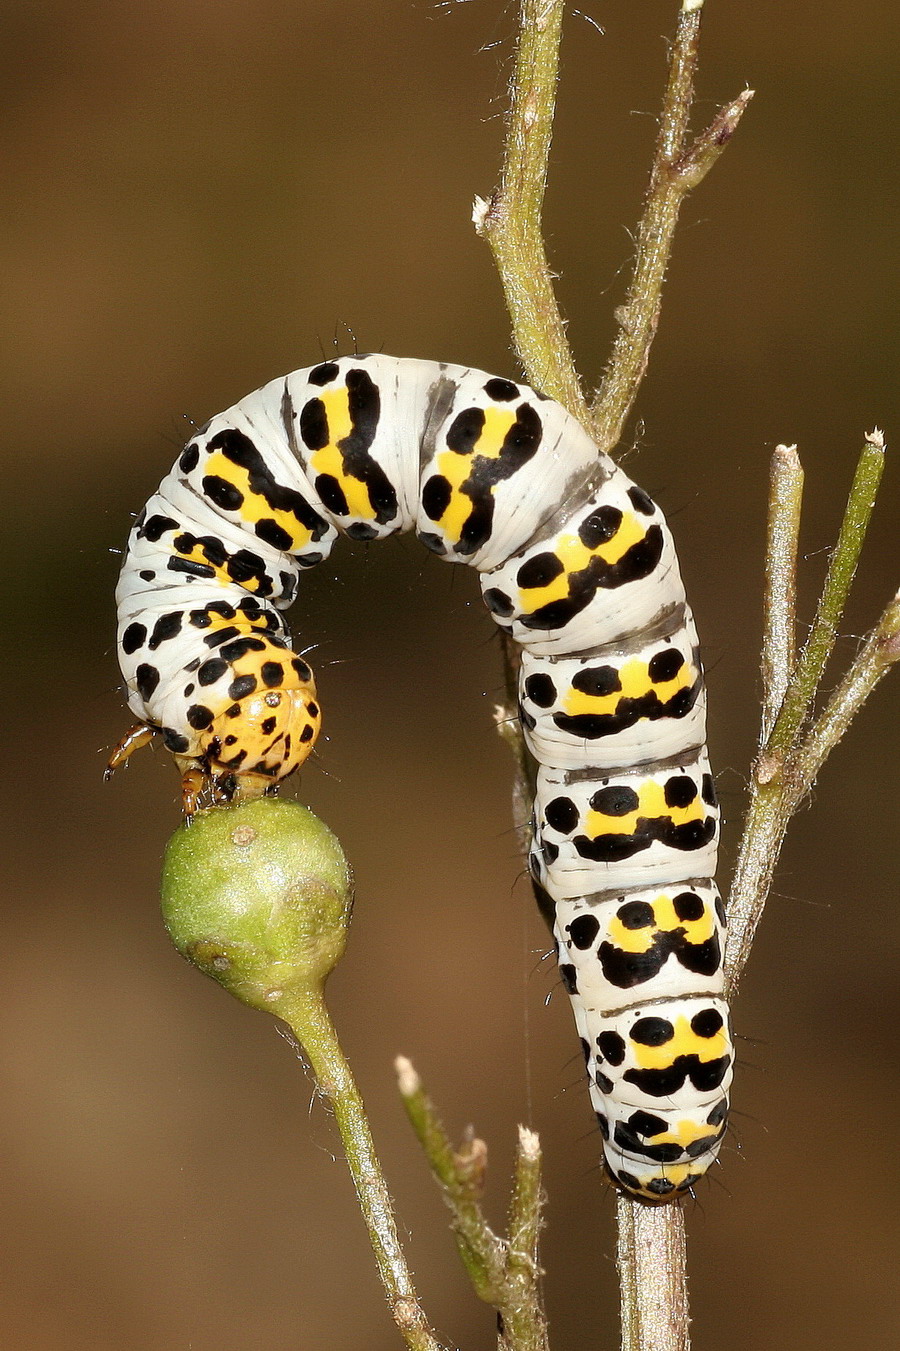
(470,1163)
(529,1143)
(408,1080)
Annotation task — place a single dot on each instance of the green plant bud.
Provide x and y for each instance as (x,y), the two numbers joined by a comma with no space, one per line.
(258,896)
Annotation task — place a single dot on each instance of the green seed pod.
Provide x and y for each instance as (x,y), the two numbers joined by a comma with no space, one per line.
(258,896)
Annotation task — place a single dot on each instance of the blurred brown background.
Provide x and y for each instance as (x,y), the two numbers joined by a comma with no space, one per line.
(200,196)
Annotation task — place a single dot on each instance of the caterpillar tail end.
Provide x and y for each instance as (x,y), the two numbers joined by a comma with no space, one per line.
(656,1182)
(657,1187)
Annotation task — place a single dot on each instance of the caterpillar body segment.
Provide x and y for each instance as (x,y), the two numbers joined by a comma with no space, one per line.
(622,830)
(597,709)
(578,565)
(605,571)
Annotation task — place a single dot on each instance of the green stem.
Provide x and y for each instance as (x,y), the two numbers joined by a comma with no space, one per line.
(789,762)
(504,1274)
(774,801)
(480,1249)
(676,169)
(511,219)
(767,820)
(308,1018)
(879,652)
(639,315)
(841,570)
(524,1323)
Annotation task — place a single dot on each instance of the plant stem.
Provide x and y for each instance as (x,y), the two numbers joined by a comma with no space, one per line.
(773,802)
(880,650)
(524,1322)
(789,762)
(480,1249)
(504,1273)
(676,169)
(511,219)
(651,1247)
(652,1259)
(841,571)
(308,1019)
(780,597)
(764,827)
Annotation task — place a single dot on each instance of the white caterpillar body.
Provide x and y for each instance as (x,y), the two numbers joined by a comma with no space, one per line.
(578,566)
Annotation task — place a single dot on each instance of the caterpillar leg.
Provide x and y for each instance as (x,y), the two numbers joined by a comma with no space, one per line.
(141,734)
(194,782)
(202,786)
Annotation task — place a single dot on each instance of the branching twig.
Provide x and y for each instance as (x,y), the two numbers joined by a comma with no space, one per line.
(503,1272)
(677,167)
(651,1250)
(308,1019)
(791,755)
(511,222)
(879,652)
(841,571)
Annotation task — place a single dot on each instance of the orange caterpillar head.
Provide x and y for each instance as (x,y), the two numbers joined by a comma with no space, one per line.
(264,736)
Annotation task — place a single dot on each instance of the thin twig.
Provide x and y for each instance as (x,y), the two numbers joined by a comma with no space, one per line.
(780,597)
(879,652)
(308,1019)
(793,755)
(676,169)
(480,1249)
(841,571)
(766,821)
(510,220)
(503,1272)
(524,1321)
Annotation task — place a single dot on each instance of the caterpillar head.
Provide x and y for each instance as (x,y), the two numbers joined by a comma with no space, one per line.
(263,737)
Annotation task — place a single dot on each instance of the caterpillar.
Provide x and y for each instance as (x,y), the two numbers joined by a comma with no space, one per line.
(577,564)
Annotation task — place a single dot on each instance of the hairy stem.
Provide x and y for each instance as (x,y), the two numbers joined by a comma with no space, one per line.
(676,169)
(480,1249)
(780,597)
(503,1272)
(793,754)
(308,1019)
(652,1261)
(879,651)
(510,220)
(524,1323)
(651,1248)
